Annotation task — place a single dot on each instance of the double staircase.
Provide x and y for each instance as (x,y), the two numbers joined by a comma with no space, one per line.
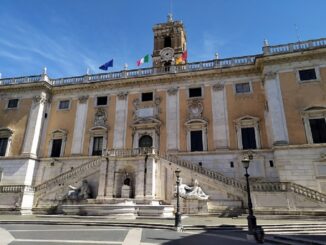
(52,190)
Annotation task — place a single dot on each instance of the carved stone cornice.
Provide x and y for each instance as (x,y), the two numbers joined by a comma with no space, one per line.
(83,99)
(122,95)
(218,86)
(172,91)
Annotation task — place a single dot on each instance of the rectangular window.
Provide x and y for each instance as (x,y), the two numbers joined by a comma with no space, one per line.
(242,88)
(147,96)
(3,146)
(64,104)
(56,148)
(318,130)
(13,103)
(194,92)
(103,100)
(196,140)
(248,138)
(307,74)
(97,146)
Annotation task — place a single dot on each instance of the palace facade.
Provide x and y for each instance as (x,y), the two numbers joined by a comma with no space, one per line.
(135,127)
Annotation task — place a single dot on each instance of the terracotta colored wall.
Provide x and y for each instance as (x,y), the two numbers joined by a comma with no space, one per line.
(183,115)
(298,96)
(15,119)
(240,105)
(162,117)
(61,119)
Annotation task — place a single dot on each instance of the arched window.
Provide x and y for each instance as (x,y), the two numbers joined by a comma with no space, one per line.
(145,141)
(167,42)
(5,138)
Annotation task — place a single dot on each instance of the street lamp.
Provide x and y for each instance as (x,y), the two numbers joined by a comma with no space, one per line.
(251,218)
(178,225)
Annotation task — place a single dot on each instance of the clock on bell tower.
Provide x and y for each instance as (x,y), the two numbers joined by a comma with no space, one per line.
(170,42)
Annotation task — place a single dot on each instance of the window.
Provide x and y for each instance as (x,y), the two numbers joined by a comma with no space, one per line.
(318,130)
(64,104)
(231,164)
(13,103)
(248,138)
(57,143)
(56,148)
(167,42)
(241,88)
(247,129)
(196,140)
(195,92)
(97,146)
(145,141)
(101,101)
(271,163)
(3,146)
(314,119)
(147,96)
(307,74)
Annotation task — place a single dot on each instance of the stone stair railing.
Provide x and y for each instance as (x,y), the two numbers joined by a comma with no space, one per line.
(229,181)
(288,187)
(15,188)
(66,176)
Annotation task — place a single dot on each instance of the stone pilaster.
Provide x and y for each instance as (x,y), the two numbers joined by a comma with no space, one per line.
(278,133)
(150,179)
(139,184)
(109,192)
(80,123)
(121,112)
(220,122)
(34,126)
(103,180)
(172,119)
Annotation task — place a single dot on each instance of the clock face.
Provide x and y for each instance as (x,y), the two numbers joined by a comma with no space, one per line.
(167,54)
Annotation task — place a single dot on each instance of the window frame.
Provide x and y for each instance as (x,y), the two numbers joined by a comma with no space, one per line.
(201,92)
(55,135)
(317,72)
(141,96)
(242,93)
(64,109)
(12,108)
(7,133)
(97,131)
(96,101)
(247,122)
(313,112)
(197,125)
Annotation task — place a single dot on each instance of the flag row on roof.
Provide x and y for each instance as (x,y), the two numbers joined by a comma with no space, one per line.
(143,60)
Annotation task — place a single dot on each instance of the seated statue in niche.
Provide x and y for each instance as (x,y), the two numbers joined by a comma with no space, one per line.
(194,192)
(81,193)
(126,188)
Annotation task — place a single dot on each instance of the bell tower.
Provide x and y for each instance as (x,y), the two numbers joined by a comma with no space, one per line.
(170,42)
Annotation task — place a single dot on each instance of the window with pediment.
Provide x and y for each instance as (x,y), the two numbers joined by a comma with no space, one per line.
(57,143)
(248,136)
(314,119)
(5,140)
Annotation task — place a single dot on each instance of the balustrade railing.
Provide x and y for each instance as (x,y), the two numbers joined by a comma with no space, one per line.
(293,47)
(134,152)
(61,178)
(15,188)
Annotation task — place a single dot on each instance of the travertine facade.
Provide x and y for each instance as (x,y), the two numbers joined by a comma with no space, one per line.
(208,113)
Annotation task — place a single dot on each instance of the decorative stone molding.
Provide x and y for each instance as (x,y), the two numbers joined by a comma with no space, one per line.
(323,157)
(83,99)
(122,95)
(100,117)
(40,99)
(247,122)
(195,108)
(218,86)
(312,112)
(270,75)
(172,91)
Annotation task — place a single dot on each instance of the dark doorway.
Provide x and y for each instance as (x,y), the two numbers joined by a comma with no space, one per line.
(196,139)
(56,148)
(248,138)
(145,141)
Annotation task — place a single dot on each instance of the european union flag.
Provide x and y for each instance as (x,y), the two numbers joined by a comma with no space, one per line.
(106,65)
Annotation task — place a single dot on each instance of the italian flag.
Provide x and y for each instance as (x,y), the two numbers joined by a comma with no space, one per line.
(143,60)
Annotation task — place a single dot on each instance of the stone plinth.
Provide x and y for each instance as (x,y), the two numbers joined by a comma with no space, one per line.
(125,191)
(193,206)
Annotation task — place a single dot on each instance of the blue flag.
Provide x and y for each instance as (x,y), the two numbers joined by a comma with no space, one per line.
(106,65)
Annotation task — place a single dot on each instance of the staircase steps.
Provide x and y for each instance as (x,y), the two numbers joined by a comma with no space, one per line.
(292,240)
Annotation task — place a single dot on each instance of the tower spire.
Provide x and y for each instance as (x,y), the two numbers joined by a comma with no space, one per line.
(170,15)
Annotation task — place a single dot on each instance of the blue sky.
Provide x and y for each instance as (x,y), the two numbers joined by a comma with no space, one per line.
(67,36)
